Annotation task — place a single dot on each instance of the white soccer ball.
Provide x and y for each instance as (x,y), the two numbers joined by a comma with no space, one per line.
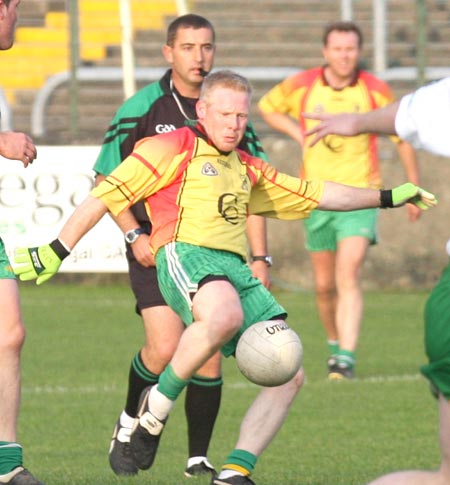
(269,353)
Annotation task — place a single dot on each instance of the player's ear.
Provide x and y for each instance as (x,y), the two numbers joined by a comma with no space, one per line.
(167,53)
(200,108)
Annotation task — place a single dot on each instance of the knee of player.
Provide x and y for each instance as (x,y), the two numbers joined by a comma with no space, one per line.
(298,380)
(232,321)
(159,354)
(294,385)
(325,291)
(12,337)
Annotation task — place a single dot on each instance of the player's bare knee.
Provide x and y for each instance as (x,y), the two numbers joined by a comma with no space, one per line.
(298,380)
(325,292)
(156,357)
(230,322)
(13,338)
(292,387)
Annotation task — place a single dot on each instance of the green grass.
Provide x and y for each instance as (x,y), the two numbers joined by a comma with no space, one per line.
(80,342)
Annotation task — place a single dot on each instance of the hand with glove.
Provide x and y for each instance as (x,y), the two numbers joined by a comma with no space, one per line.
(40,263)
(407,193)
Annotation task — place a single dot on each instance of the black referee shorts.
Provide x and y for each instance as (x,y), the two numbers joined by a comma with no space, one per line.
(144,283)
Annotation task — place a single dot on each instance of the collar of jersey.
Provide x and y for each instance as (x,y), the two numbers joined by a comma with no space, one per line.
(200,132)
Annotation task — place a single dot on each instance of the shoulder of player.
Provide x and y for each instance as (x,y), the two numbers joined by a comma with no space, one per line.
(173,141)
(299,80)
(372,82)
(306,77)
(141,102)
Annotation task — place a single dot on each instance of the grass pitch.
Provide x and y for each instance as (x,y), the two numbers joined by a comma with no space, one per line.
(81,340)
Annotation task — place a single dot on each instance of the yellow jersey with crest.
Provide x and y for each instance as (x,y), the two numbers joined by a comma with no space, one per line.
(348,160)
(196,194)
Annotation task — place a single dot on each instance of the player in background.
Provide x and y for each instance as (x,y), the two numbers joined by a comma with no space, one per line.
(423,118)
(14,146)
(200,188)
(161,107)
(337,242)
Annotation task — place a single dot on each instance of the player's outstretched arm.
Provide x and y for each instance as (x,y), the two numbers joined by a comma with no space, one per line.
(380,121)
(339,197)
(41,263)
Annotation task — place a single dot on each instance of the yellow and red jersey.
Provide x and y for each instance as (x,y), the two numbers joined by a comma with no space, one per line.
(199,195)
(353,160)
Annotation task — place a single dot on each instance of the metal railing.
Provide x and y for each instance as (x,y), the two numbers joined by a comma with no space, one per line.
(148,74)
(275,74)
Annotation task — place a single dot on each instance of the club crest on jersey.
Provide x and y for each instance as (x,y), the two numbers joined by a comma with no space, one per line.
(318,108)
(209,170)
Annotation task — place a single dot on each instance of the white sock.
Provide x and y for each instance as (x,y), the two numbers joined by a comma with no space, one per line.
(158,404)
(126,420)
(126,423)
(229,473)
(195,460)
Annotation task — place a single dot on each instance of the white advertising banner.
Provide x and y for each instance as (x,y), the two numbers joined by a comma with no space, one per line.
(37,200)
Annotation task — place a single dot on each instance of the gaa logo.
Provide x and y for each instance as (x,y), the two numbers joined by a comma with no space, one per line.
(164,128)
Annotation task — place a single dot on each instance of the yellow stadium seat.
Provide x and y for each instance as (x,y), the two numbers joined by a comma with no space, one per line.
(42,51)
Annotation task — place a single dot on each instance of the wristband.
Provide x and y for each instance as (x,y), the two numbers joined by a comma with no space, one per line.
(60,249)
(386,199)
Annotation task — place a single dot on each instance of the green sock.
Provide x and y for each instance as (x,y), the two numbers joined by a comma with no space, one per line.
(241,461)
(333,347)
(346,357)
(10,456)
(170,384)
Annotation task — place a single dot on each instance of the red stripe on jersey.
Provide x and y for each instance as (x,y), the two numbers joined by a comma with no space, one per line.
(146,163)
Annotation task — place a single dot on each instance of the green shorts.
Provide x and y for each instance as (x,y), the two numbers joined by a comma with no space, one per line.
(437,335)
(324,229)
(181,267)
(6,271)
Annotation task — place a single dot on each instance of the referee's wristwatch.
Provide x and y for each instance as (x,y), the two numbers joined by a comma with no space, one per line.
(267,259)
(131,236)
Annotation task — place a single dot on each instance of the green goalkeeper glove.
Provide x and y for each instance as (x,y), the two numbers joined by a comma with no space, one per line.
(40,263)
(407,193)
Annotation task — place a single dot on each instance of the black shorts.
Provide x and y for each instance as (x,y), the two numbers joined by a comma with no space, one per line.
(144,283)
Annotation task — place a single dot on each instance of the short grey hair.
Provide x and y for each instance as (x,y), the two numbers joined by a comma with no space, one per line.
(225,78)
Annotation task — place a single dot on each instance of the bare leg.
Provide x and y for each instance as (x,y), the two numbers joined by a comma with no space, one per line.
(12,336)
(163,329)
(323,266)
(266,415)
(218,313)
(349,259)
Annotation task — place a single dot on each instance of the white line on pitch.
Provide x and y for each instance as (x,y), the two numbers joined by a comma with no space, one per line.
(112,389)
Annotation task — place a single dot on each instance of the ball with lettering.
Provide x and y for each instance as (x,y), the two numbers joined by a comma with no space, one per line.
(269,353)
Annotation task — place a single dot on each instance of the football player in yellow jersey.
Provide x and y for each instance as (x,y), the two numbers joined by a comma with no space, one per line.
(337,242)
(200,189)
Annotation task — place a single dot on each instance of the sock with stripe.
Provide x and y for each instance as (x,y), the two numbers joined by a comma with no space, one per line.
(10,456)
(238,462)
(138,379)
(346,357)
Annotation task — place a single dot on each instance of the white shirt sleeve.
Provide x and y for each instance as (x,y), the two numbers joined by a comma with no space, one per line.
(423,118)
